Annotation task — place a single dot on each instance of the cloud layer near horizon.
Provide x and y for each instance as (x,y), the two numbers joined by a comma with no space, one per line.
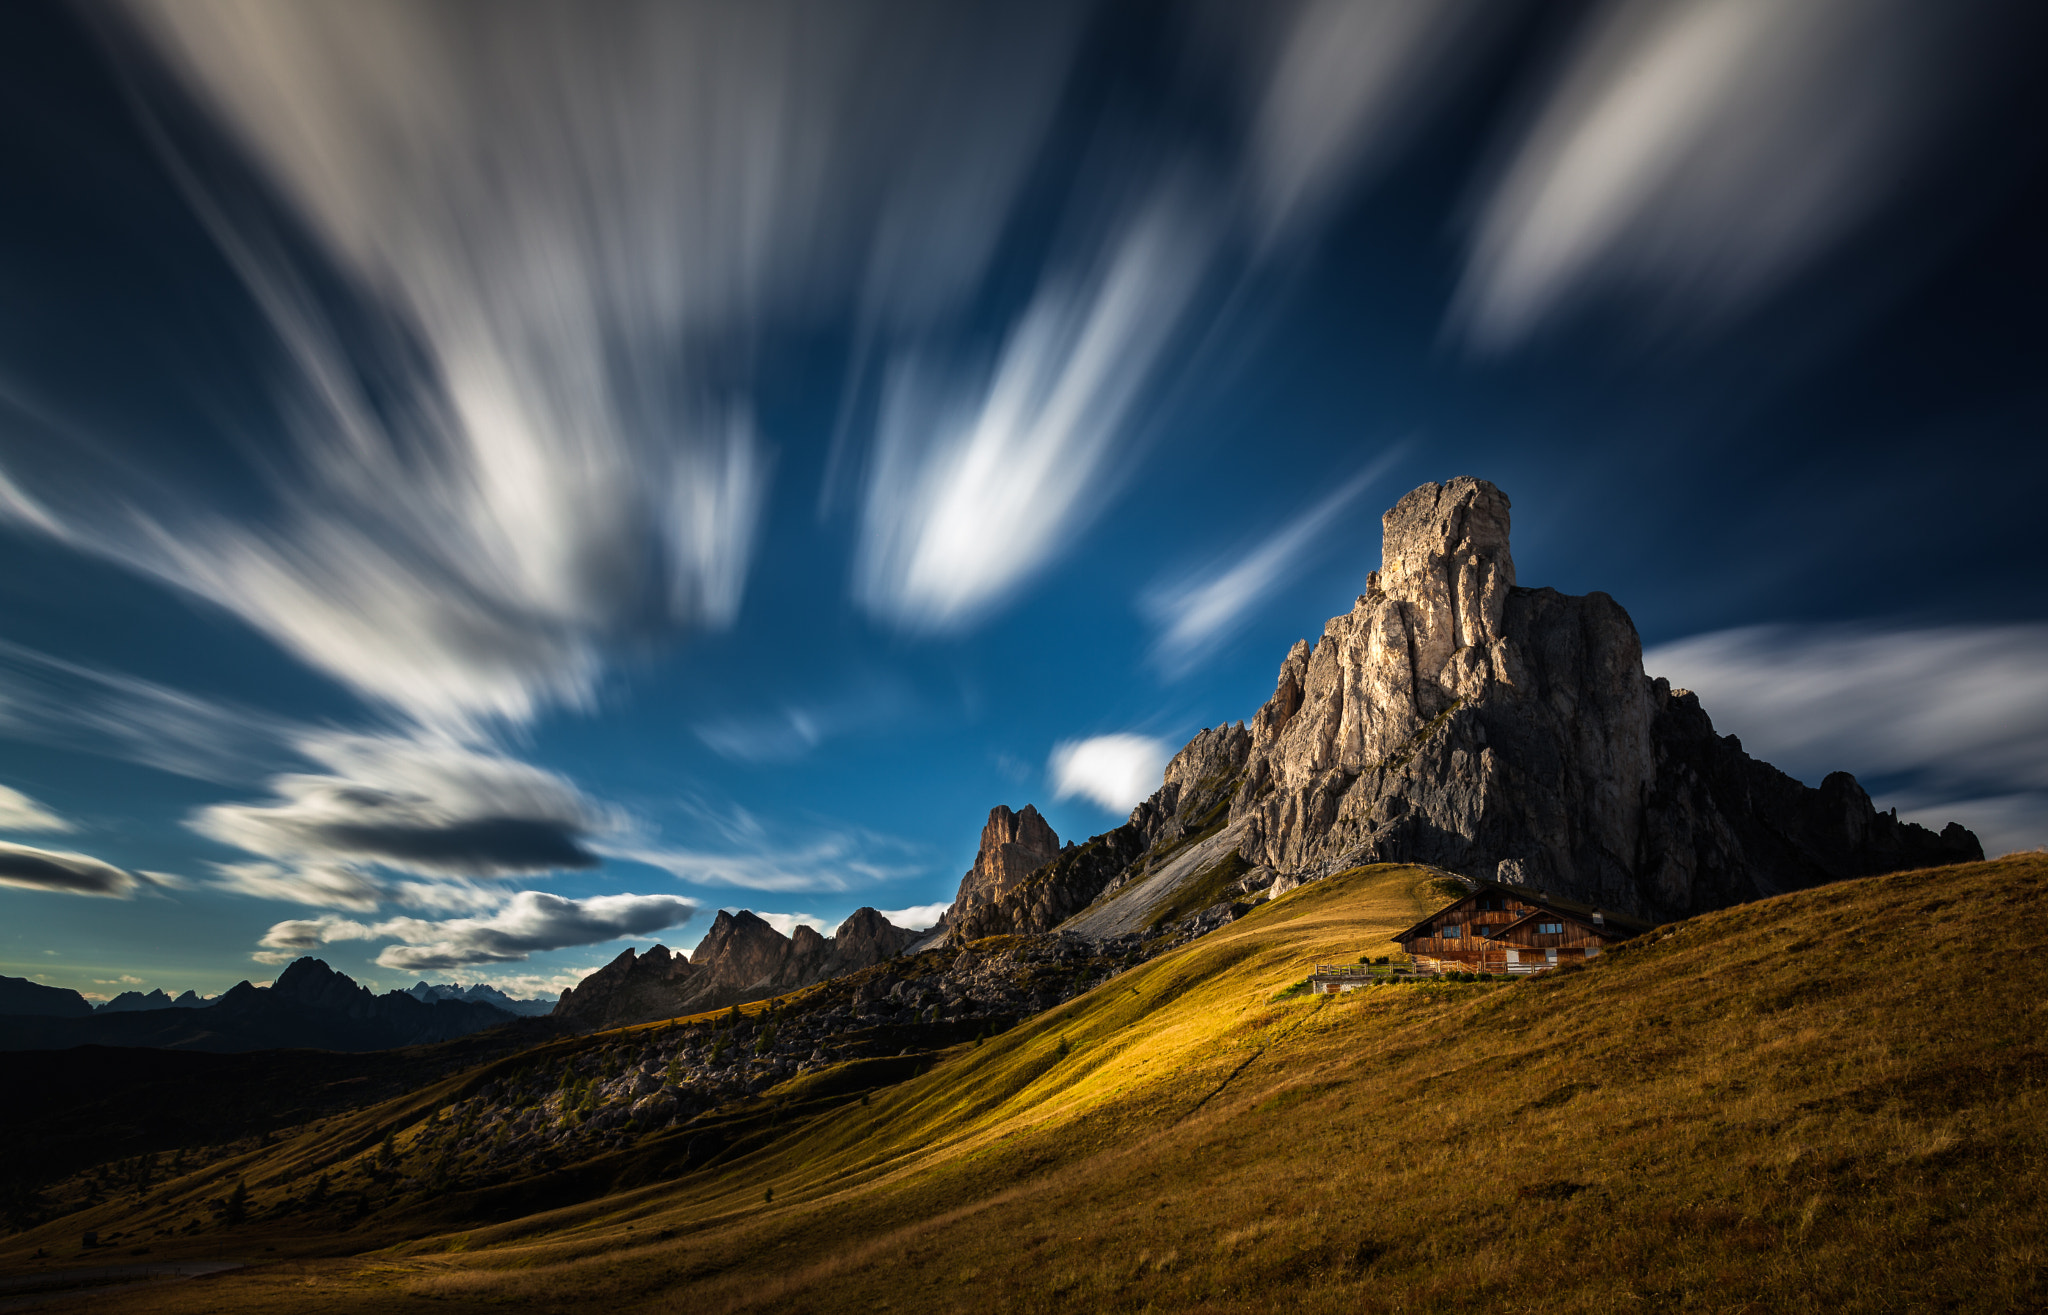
(529,923)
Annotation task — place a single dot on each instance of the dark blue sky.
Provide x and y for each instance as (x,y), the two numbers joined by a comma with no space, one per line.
(481,488)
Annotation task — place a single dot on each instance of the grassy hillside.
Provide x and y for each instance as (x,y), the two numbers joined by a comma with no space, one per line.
(1830,1100)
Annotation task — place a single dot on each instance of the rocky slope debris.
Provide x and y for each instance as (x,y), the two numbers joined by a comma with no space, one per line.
(1191,805)
(740,959)
(1456,718)
(560,1110)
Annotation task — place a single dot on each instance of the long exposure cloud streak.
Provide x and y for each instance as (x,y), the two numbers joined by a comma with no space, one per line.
(565,224)
(967,500)
(1196,615)
(1347,85)
(1696,153)
(530,922)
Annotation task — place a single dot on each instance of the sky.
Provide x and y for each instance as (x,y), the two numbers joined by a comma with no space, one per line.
(485,486)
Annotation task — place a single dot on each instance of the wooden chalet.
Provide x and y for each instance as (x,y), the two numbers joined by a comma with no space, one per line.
(1513,929)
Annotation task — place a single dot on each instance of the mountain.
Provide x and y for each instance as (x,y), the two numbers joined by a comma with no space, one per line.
(481,993)
(741,958)
(135,1001)
(1456,718)
(1747,1110)
(18,995)
(310,1005)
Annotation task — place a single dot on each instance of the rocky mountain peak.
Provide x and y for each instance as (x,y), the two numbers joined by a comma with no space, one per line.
(1013,846)
(1455,718)
(742,957)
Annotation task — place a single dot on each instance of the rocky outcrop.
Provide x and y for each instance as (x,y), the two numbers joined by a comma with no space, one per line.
(741,958)
(1192,805)
(1013,846)
(1458,719)
(1455,718)
(632,987)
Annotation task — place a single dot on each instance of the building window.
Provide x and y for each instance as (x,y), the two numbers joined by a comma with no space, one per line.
(1550,929)
(1451,933)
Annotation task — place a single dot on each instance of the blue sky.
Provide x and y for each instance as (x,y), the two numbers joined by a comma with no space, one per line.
(478,490)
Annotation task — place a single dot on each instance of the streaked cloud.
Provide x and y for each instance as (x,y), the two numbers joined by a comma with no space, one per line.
(791,731)
(530,922)
(1693,155)
(974,486)
(1956,714)
(523,261)
(18,812)
(48,700)
(420,805)
(832,862)
(1196,614)
(1346,84)
(1116,771)
(918,916)
(63,872)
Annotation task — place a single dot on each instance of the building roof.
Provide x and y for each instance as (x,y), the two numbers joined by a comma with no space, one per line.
(1621,923)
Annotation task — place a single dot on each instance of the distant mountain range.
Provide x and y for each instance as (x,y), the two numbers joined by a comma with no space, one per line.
(131,1002)
(309,1006)
(481,993)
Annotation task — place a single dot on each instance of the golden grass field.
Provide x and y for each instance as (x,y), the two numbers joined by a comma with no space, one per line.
(1826,1101)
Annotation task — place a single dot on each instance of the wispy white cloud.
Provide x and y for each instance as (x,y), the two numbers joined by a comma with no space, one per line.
(322,885)
(1116,771)
(1695,154)
(794,729)
(1346,84)
(415,804)
(530,922)
(1958,713)
(974,487)
(18,812)
(515,411)
(49,700)
(419,805)
(1195,614)
(832,862)
(917,917)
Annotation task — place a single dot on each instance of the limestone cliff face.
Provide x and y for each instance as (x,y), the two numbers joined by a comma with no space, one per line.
(1452,717)
(1013,846)
(633,987)
(741,958)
